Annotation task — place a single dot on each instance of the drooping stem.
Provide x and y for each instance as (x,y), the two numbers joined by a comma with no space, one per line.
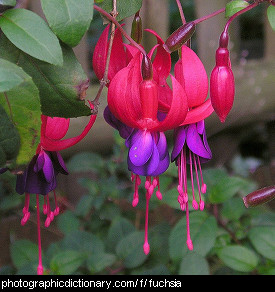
(206,17)
(238,14)
(181,12)
(111,18)
(104,81)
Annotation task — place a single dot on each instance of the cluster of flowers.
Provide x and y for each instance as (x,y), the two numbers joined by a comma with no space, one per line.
(142,107)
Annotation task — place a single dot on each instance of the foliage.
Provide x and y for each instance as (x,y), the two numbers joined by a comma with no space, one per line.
(103,234)
(40,74)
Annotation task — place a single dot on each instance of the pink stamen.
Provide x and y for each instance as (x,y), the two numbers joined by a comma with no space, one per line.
(194,202)
(50,215)
(201,204)
(56,210)
(136,197)
(203,185)
(158,193)
(26,213)
(40,266)
(188,239)
(45,207)
(146,246)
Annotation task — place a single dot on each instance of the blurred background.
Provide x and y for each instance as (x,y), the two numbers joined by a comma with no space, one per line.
(243,146)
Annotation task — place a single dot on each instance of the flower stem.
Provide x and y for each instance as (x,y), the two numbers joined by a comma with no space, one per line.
(206,17)
(111,18)
(181,12)
(238,14)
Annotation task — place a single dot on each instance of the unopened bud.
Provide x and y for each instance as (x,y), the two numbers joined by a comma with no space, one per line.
(136,32)
(259,197)
(179,37)
(146,68)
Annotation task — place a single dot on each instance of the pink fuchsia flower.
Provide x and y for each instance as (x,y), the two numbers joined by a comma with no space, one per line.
(190,141)
(190,147)
(135,95)
(40,175)
(222,85)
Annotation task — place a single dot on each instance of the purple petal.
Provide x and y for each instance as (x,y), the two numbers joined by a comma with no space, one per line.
(39,162)
(58,163)
(162,166)
(179,140)
(148,168)
(124,130)
(162,146)
(33,182)
(48,169)
(141,149)
(194,142)
(200,127)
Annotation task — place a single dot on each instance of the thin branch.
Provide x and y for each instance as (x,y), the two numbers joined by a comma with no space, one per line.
(104,81)
(111,18)
(181,12)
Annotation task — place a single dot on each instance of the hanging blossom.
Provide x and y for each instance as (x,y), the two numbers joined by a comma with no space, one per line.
(40,175)
(141,106)
(190,141)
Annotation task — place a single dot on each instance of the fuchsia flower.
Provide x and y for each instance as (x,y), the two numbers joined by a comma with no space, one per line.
(40,174)
(222,85)
(190,141)
(142,106)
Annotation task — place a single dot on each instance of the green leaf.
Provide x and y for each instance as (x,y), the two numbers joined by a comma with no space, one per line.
(271,16)
(69,19)
(99,261)
(233,209)
(22,103)
(9,75)
(203,230)
(262,239)
(235,6)
(119,228)
(130,250)
(193,264)
(9,139)
(68,222)
(23,252)
(83,241)
(67,262)
(239,258)
(29,32)
(125,8)
(226,187)
(86,161)
(61,89)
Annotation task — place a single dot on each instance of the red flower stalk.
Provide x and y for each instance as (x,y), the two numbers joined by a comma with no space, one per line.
(222,85)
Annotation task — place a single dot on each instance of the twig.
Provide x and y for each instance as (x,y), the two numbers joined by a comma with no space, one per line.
(104,81)
(181,12)
(107,15)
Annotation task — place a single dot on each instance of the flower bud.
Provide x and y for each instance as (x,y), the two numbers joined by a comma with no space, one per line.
(179,37)
(146,68)
(259,197)
(222,84)
(136,32)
